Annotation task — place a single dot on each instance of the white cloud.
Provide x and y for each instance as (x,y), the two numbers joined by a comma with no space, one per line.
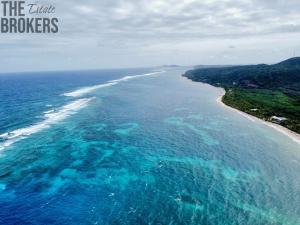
(95,34)
(85,9)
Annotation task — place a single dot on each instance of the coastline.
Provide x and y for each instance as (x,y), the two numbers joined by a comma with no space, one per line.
(291,134)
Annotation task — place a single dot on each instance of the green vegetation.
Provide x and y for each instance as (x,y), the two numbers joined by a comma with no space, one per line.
(260,90)
(268,103)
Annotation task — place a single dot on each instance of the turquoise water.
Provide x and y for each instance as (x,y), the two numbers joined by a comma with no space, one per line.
(154,149)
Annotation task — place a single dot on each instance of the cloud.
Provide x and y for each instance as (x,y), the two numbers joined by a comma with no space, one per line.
(84,9)
(143,33)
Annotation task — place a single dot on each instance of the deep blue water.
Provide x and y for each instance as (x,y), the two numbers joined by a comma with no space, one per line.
(93,147)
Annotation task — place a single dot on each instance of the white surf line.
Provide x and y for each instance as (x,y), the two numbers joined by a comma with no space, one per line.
(86,90)
(50,118)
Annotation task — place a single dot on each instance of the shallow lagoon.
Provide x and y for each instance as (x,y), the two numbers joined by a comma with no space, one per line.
(157,149)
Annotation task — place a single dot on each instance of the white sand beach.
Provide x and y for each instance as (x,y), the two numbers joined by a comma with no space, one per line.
(291,134)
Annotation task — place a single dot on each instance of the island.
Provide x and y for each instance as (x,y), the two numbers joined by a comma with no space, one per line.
(269,92)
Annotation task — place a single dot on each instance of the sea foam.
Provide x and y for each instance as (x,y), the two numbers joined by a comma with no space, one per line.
(54,116)
(86,90)
(51,117)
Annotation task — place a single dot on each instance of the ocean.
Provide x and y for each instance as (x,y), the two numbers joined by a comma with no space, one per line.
(137,146)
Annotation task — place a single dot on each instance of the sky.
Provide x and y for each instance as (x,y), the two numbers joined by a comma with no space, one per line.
(95,34)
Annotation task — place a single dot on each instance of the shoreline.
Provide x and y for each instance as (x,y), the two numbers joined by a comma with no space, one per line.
(289,133)
(285,131)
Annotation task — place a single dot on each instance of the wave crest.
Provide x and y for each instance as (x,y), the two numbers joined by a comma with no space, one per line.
(51,117)
(86,90)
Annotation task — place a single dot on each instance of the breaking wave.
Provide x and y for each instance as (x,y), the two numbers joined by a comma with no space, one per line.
(86,90)
(51,117)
